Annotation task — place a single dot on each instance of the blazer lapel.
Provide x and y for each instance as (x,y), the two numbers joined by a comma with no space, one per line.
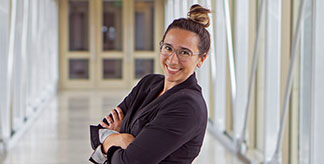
(151,102)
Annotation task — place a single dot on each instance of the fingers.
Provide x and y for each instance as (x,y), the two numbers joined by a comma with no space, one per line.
(109,119)
(104,125)
(120,113)
(114,115)
(114,119)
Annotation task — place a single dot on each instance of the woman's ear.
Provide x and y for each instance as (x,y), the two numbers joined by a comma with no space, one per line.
(201,60)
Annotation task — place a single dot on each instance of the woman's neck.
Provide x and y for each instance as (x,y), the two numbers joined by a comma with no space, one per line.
(167,85)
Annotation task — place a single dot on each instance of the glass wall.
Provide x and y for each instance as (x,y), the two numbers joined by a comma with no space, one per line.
(260,79)
(29,63)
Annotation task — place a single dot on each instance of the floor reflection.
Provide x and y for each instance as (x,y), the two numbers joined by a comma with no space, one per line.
(61,134)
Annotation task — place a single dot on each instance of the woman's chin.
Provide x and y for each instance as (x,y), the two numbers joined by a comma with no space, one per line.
(172,79)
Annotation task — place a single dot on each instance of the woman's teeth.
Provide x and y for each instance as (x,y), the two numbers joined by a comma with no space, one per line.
(172,69)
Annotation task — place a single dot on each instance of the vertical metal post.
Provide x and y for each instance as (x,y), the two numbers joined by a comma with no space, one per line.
(241,50)
(230,51)
(272,75)
(6,130)
(4,110)
(219,67)
(24,73)
(306,86)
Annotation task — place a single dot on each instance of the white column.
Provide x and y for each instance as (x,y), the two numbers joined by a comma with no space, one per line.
(4,43)
(29,53)
(204,73)
(241,48)
(272,77)
(317,150)
(24,52)
(176,9)
(9,74)
(305,86)
(18,87)
(169,14)
(185,8)
(219,72)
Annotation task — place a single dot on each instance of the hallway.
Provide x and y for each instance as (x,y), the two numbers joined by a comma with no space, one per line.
(61,135)
(262,80)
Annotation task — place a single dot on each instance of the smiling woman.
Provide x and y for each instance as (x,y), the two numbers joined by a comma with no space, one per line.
(179,64)
(164,118)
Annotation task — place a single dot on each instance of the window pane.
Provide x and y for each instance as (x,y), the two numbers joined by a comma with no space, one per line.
(79,69)
(112,68)
(144,25)
(143,67)
(79,25)
(112,25)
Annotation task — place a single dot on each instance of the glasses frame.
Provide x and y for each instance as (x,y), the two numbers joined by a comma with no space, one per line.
(176,51)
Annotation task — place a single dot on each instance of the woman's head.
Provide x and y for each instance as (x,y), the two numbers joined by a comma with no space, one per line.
(185,45)
(197,22)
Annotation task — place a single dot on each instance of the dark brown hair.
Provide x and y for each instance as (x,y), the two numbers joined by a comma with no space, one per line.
(196,22)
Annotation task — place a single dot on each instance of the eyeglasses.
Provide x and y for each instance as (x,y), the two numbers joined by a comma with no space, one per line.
(183,54)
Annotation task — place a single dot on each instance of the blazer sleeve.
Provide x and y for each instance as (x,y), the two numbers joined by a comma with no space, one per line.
(174,125)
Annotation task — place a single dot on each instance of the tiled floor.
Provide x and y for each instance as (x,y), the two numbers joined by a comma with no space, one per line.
(61,134)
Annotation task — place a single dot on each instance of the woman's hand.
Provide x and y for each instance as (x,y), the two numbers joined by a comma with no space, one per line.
(121,139)
(116,121)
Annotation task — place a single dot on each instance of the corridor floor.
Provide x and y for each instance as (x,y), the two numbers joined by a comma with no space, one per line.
(61,134)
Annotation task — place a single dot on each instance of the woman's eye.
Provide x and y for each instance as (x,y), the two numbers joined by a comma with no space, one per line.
(168,48)
(185,53)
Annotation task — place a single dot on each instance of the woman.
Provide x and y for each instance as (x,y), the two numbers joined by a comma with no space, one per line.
(165,115)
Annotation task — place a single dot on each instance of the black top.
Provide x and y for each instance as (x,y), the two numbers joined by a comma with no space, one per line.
(167,129)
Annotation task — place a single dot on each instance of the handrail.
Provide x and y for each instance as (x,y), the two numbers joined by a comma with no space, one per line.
(289,82)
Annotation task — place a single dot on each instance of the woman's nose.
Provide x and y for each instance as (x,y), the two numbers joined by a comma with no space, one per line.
(173,58)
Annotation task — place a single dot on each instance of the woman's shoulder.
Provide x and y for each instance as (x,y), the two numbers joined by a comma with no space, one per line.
(187,98)
(188,95)
(186,101)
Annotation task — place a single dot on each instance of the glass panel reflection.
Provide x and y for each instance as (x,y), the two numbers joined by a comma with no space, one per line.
(78,25)
(112,68)
(112,25)
(143,67)
(79,69)
(144,25)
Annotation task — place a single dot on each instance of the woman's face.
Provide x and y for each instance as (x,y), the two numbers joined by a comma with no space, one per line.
(175,70)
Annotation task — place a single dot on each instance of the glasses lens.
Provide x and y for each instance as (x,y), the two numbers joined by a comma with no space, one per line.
(185,53)
(182,54)
(166,50)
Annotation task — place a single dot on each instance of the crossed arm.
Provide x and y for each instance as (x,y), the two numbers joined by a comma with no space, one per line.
(171,129)
(118,139)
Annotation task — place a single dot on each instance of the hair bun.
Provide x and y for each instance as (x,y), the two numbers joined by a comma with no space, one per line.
(199,15)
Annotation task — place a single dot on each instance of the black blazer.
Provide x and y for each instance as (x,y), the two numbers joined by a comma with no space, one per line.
(167,129)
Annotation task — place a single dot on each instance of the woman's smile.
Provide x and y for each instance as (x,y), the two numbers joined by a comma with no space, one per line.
(172,70)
